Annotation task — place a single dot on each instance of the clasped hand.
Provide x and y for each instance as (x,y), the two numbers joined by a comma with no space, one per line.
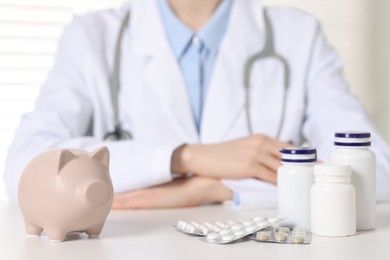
(256,156)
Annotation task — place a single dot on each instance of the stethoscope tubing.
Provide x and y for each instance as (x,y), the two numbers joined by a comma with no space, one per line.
(267,52)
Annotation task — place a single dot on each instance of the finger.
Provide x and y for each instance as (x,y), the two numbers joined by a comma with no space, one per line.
(270,161)
(267,174)
(271,145)
(275,151)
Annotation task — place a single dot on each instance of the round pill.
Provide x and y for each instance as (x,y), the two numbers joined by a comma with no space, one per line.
(299,230)
(181,224)
(220,224)
(203,229)
(297,239)
(263,235)
(247,223)
(225,231)
(215,228)
(207,224)
(299,233)
(283,229)
(240,232)
(280,236)
(273,220)
(251,229)
(262,224)
(228,237)
(213,236)
(190,228)
(232,222)
(237,227)
(259,218)
(194,223)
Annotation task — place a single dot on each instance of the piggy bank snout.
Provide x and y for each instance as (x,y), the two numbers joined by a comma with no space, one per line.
(97,193)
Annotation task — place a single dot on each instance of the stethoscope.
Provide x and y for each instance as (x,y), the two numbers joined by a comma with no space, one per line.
(268,52)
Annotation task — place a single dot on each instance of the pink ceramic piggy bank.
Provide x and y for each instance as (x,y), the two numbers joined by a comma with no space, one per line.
(66,190)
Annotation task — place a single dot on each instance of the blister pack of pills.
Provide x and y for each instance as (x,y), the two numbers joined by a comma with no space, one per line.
(283,235)
(225,232)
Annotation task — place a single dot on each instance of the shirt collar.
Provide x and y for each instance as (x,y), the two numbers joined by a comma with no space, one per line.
(179,35)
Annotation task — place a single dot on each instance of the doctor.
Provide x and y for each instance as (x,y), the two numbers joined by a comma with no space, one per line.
(206,93)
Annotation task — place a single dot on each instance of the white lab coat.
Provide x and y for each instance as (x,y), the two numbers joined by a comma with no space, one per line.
(74,108)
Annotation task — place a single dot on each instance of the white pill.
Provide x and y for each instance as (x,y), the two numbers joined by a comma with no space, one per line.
(240,232)
(299,230)
(228,237)
(259,218)
(263,235)
(194,223)
(299,234)
(215,228)
(262,224)
(273,220)
(280,236)
(203,229)
(181,224)
(296,239)
(225,231)
(190,228)
(207,224)
(220,224)
(232,222)
(283,229)
(251,228)
(237,227)
(213,236)
(247,223)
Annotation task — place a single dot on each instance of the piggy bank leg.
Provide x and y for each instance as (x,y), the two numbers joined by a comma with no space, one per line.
(56,235)
(94,232)
(33,230)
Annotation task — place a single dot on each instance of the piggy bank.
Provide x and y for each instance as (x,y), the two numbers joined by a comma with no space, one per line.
(66,190)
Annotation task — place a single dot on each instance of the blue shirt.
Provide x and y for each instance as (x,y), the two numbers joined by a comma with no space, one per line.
(195,51)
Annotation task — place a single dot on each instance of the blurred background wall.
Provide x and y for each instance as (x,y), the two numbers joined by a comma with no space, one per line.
(29,30)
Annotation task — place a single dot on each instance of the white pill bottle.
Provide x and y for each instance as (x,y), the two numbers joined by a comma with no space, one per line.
(333,203)
(295,178)
(352,148)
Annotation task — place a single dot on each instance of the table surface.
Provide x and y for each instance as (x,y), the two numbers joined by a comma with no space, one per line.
(148,234)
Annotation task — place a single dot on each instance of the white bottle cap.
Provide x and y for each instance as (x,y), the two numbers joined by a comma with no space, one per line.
(332,173)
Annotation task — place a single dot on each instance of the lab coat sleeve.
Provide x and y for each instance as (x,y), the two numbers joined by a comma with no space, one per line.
(62,118)
(331,107)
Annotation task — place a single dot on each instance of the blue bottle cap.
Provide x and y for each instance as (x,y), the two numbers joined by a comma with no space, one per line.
(299,155)
(298,150)
(352,139)
(352,135)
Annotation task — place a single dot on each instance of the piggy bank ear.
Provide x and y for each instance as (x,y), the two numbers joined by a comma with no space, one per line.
(102,155)
(64,158)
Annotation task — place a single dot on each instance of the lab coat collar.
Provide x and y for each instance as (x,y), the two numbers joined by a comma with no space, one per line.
(245,32)
(162,71)
(147,27)
(179,34)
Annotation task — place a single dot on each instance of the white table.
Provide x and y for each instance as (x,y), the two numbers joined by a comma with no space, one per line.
(147,234)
